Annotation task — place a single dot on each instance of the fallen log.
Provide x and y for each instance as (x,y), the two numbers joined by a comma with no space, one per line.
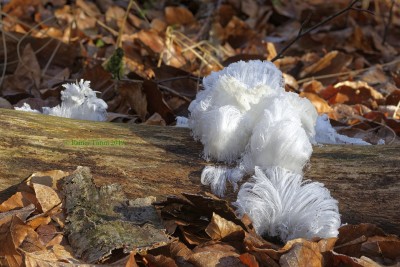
(158,161)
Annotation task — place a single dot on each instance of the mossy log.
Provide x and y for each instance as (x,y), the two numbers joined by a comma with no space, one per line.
(157,161)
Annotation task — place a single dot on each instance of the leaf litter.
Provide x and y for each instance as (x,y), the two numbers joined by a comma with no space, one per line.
(100,226)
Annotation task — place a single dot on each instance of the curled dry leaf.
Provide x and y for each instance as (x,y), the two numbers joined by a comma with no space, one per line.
(18,200)
(356,93)
(12,235)
(220,227)
(47,178)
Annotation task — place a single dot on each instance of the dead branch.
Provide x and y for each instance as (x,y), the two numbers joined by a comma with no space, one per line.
(303,32)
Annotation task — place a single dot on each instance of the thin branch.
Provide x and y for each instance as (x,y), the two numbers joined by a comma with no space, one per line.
(351,72)
(3,36)
(301,33)
(121,30)
(195,78)
(388,23)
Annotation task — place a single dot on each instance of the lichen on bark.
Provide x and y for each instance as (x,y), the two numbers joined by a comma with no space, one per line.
(100,221)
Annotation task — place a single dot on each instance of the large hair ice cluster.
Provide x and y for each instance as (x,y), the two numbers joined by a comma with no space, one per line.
(78,101)
(244,116)
(282,204)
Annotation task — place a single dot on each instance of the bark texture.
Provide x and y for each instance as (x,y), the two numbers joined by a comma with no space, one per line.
(157,161)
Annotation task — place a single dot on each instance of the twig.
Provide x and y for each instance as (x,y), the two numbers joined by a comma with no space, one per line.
(354,72)
(379,123)
(388,23)
(195,78)
(27,34)
(3,74)
(301,32)
(51,58)
(119,39)
(141,12)
(166,88)
(207,24)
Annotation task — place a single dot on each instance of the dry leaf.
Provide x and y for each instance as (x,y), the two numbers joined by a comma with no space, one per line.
(356,93)
(47,197)
(249,260)
(48,178)
(133,96)
(12,234)
(22,214)
(178,15)
(302,254)
(155,119)
(18,200)
(151,39)
(320,104)
(220,227)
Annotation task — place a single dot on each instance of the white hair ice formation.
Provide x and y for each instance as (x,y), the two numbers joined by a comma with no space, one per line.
(282,204)
(244,116)
(78,101)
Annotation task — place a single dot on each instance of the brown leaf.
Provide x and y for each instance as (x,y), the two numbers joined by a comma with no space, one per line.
(48,178)
(151,39)
(12,235)
(320,104)
(334,259)
(323,63)
(156,103)
(18,200)
(357,93)
(374,75)
(160,260)
(302,254)
(100,80)
(312,86)
(219,227)
(207,203)
(179,250)
(22,214)
(249,260)
(387,247)
(192,236)
(178,15)
(155,119)
(25,81)
(115,19)
(47,197)
(36,222)
(351,237)
(393,98)
(290,82)
(46,233)
(215,254)
(133,96)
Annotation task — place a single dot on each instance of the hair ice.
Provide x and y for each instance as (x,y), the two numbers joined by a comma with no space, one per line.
(281,204)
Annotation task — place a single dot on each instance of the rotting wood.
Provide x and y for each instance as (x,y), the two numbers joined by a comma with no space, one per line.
(157,161)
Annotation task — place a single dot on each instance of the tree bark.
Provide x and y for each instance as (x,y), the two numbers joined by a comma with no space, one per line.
(157,161)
